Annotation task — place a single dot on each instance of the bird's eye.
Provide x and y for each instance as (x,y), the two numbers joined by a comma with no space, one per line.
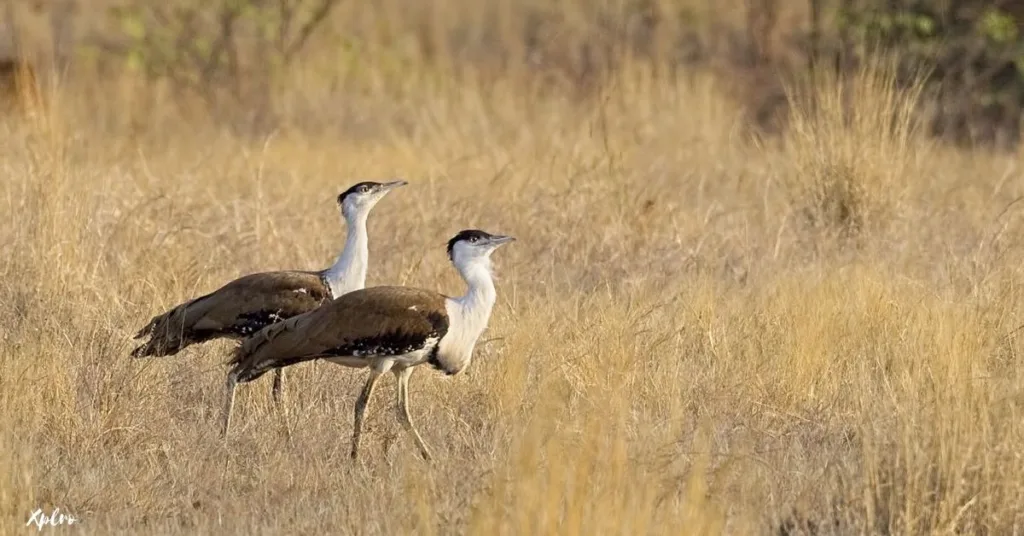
(474,239)
(364,188)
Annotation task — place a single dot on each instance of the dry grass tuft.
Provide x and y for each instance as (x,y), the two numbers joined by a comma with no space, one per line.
(849,146)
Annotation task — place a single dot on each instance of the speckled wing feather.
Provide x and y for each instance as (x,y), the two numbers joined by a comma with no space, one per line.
(377,321)
(238,309)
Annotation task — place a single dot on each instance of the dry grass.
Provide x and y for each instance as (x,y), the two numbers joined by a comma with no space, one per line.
(674,349)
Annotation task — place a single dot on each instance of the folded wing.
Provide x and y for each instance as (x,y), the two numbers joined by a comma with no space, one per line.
(238,309)
(373,322)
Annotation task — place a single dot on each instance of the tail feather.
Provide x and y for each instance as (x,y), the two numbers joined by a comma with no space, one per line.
(248,362)
(236,357)
(158,346)
(147,329)
(142,350)
(252,344)
(242,363)
(167,333)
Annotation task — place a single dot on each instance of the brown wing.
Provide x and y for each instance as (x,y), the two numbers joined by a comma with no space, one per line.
(377,321)
(239,308)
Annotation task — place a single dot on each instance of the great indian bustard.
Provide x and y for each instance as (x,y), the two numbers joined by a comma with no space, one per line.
(387,328)
(250,303)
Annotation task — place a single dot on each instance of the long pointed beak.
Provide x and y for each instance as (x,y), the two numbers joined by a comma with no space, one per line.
(498,240)
(388,186)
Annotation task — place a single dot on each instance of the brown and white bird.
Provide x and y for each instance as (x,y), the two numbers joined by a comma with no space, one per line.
(385,329)
(250,303)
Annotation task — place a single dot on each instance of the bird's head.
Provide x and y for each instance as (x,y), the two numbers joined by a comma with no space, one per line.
(472,245)
(361,197)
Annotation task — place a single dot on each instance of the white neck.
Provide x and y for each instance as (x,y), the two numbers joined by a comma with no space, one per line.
(467,315)
(349,272)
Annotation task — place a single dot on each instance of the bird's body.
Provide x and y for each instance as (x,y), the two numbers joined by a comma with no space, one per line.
(238,309)
(386,328)
(359,329)
(250,303)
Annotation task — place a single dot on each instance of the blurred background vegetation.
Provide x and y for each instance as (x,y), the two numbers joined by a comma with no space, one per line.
(228,56)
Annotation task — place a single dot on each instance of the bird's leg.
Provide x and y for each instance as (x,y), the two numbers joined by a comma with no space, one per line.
(364,398)
(278,389)
(229,404)
(277,392)
(403,411)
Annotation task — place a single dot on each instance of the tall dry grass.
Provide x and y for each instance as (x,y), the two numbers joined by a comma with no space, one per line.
(675,349)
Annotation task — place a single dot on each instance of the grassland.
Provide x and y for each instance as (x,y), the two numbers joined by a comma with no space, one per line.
(696,332)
